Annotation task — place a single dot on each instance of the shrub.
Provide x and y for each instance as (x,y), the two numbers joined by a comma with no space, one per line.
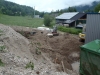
(30,65)
(47,20)
(38,52)
(39,44)
(69,30)
(2,48)
(1,31)
(1,63)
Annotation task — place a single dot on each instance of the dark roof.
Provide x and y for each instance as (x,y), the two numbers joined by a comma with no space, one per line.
(78,16)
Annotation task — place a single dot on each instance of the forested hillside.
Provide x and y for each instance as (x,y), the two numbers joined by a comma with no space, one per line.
(92,7)
(13,9)
(87,8)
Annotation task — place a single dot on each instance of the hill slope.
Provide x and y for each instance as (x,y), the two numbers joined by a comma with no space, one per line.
(81,8)
(14,9)
(89,7)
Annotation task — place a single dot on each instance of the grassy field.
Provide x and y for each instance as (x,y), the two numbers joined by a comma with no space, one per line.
(20,21)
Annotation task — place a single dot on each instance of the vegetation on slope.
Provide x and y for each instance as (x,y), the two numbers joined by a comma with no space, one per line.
(21,21)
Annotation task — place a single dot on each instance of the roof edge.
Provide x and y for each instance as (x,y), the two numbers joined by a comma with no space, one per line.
(93,13)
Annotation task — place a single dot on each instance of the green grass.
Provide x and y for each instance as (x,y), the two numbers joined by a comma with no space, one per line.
(30,65)
(38,44)
(2,48)
(38,52)
(1,63)
(69,30)
(1,31)
(20,21)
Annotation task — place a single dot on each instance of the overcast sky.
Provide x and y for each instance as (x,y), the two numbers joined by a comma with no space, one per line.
(49,5)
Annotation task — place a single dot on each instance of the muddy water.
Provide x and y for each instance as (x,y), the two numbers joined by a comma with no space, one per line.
(75,66)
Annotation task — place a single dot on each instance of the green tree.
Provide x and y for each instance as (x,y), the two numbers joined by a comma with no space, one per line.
(97,8)
(3,10)
(71,9)
(47,20)
(42,14)
(10,8)
(88,10)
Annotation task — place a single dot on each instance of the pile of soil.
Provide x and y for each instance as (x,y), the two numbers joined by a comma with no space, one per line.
(63,48)
(36,51)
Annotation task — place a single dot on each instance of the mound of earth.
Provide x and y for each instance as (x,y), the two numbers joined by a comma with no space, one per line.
(33,56)
(64,48)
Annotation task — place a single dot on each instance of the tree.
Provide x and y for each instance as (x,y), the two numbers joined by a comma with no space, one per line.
(47,20)
(97,8)
(41,14)
(71,9)
(89,10)
(10,8)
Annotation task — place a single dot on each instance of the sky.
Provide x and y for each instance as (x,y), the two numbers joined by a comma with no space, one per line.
(51,5)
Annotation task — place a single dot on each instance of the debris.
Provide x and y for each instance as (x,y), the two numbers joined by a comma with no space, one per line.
(50,35)
(63,66)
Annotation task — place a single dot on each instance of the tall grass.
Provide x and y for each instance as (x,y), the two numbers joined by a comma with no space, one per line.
(20,21)
(69,30)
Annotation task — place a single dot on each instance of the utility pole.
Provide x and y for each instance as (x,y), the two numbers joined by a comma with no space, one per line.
(34,11)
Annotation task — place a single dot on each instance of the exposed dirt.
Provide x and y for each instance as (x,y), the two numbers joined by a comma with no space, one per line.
(51,56)
(63,48)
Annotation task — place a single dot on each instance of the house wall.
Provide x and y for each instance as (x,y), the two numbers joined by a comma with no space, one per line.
(72,24)
(92,27)
(36,16)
